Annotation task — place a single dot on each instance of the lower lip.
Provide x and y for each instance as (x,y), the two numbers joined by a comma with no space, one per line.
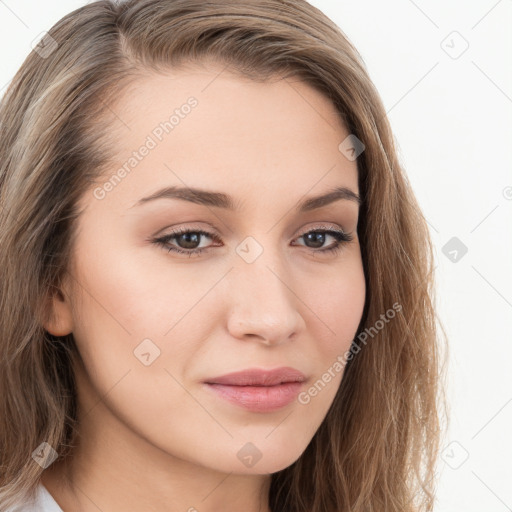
(258,398)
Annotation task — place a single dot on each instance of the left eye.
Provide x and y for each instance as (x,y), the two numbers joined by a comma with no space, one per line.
(190,239)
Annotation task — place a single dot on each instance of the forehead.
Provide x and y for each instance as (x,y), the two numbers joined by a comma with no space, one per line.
(205,127)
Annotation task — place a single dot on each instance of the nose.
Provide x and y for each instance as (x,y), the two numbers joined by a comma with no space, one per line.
(263,304)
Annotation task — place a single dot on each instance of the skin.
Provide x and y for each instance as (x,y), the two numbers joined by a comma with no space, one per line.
(151,436)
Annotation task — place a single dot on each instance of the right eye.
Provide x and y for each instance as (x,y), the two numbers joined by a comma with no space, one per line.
(187,237)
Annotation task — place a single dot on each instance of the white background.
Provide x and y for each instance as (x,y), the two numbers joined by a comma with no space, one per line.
(450,111)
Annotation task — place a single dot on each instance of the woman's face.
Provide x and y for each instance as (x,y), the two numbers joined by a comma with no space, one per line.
(153,325)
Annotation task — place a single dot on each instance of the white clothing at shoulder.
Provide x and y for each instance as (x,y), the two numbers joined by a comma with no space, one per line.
(44,502)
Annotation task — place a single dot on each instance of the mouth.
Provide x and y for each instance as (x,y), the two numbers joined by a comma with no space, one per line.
(258,390)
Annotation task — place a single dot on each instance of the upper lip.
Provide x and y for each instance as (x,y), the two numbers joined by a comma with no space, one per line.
(259,377)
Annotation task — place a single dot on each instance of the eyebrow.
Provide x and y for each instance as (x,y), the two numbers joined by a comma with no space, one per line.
(221,200)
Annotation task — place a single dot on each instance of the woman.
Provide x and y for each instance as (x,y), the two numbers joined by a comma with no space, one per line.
(216,279)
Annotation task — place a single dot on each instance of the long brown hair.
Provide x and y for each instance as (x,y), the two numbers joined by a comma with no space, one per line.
(376,450)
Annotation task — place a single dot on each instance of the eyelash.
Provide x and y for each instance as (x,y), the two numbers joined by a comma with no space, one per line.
(340,236)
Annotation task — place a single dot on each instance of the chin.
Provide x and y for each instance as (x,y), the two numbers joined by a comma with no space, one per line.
(270,461)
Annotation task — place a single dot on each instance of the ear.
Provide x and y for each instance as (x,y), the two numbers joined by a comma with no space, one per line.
(59,320)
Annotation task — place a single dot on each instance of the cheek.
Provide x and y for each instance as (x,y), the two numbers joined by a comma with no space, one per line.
(337,308)
(334,312)
(126,289)
(120,334)
(133,312)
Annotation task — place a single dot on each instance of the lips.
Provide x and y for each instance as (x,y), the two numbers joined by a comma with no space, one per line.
(258,390)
